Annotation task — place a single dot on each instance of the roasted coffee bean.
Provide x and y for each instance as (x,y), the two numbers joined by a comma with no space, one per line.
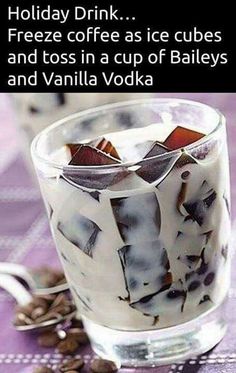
(48,339)
(22,319)
(43,370)
(37,312)
(67,346)
(27,310)
(49,316)
(49,298)
(72,365)
(40,302)
(79,335)
(59,300)
(61,309)
(103,366)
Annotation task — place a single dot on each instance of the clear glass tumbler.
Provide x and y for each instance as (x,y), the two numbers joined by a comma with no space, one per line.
(144,244)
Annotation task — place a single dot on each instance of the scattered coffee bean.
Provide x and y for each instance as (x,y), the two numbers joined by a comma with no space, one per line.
(48,277)
(72,365)
(27,310)
(37,312)
(22,319)
(44,308)
(48,339)
(103,366)
(40,302)
(48,316)
(42,370)
(79,335)
(67,346)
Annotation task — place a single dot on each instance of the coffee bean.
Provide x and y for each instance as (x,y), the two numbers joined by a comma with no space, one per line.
(43,370)
(49,298)
(103,366)
(67,346)
(22,319)
(194,285)
(37,312)
(209,279)
(72,365)
(27,310)
(49,316)
(48,339)
(40,302)
(61,309)
(60,300)
(79,335)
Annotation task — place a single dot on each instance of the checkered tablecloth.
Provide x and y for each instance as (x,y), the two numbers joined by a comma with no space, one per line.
(25,238)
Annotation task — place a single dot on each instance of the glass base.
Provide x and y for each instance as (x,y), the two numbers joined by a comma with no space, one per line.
(158,347)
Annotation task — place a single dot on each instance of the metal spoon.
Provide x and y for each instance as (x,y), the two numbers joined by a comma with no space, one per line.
(23,297)
(31,279)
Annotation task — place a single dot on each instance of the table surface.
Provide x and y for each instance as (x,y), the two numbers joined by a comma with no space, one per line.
(25,238)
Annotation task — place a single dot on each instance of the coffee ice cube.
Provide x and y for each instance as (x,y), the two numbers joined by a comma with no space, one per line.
(154,169)
(184,160)
(105,146)
(162,302)
(80,231)
(89,156)
(182,137)
(197,209)
(138,217)
(156,149)
(99,180)
(88,178)
(146,269)
(73,148)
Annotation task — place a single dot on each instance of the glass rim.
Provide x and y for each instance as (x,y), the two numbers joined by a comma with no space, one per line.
(83,113)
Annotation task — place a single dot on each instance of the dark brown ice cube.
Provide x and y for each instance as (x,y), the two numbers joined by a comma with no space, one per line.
(98,180)
(101,179)
(169,300)
(182,137)
(80,231)
(138,217)
(105,146)
(89,156)
(156,149)
(152,170)
(73,148)
(145,267)
(197,209)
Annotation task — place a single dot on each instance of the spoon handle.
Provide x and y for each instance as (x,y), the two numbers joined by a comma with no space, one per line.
(15,288)
(19,271)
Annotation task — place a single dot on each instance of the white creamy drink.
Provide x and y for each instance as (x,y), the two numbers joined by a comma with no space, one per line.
(144,246)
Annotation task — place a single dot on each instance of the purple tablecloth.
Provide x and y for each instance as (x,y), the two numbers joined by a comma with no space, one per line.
(25,238)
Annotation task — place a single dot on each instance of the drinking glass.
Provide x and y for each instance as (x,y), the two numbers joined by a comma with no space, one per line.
(144,245)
